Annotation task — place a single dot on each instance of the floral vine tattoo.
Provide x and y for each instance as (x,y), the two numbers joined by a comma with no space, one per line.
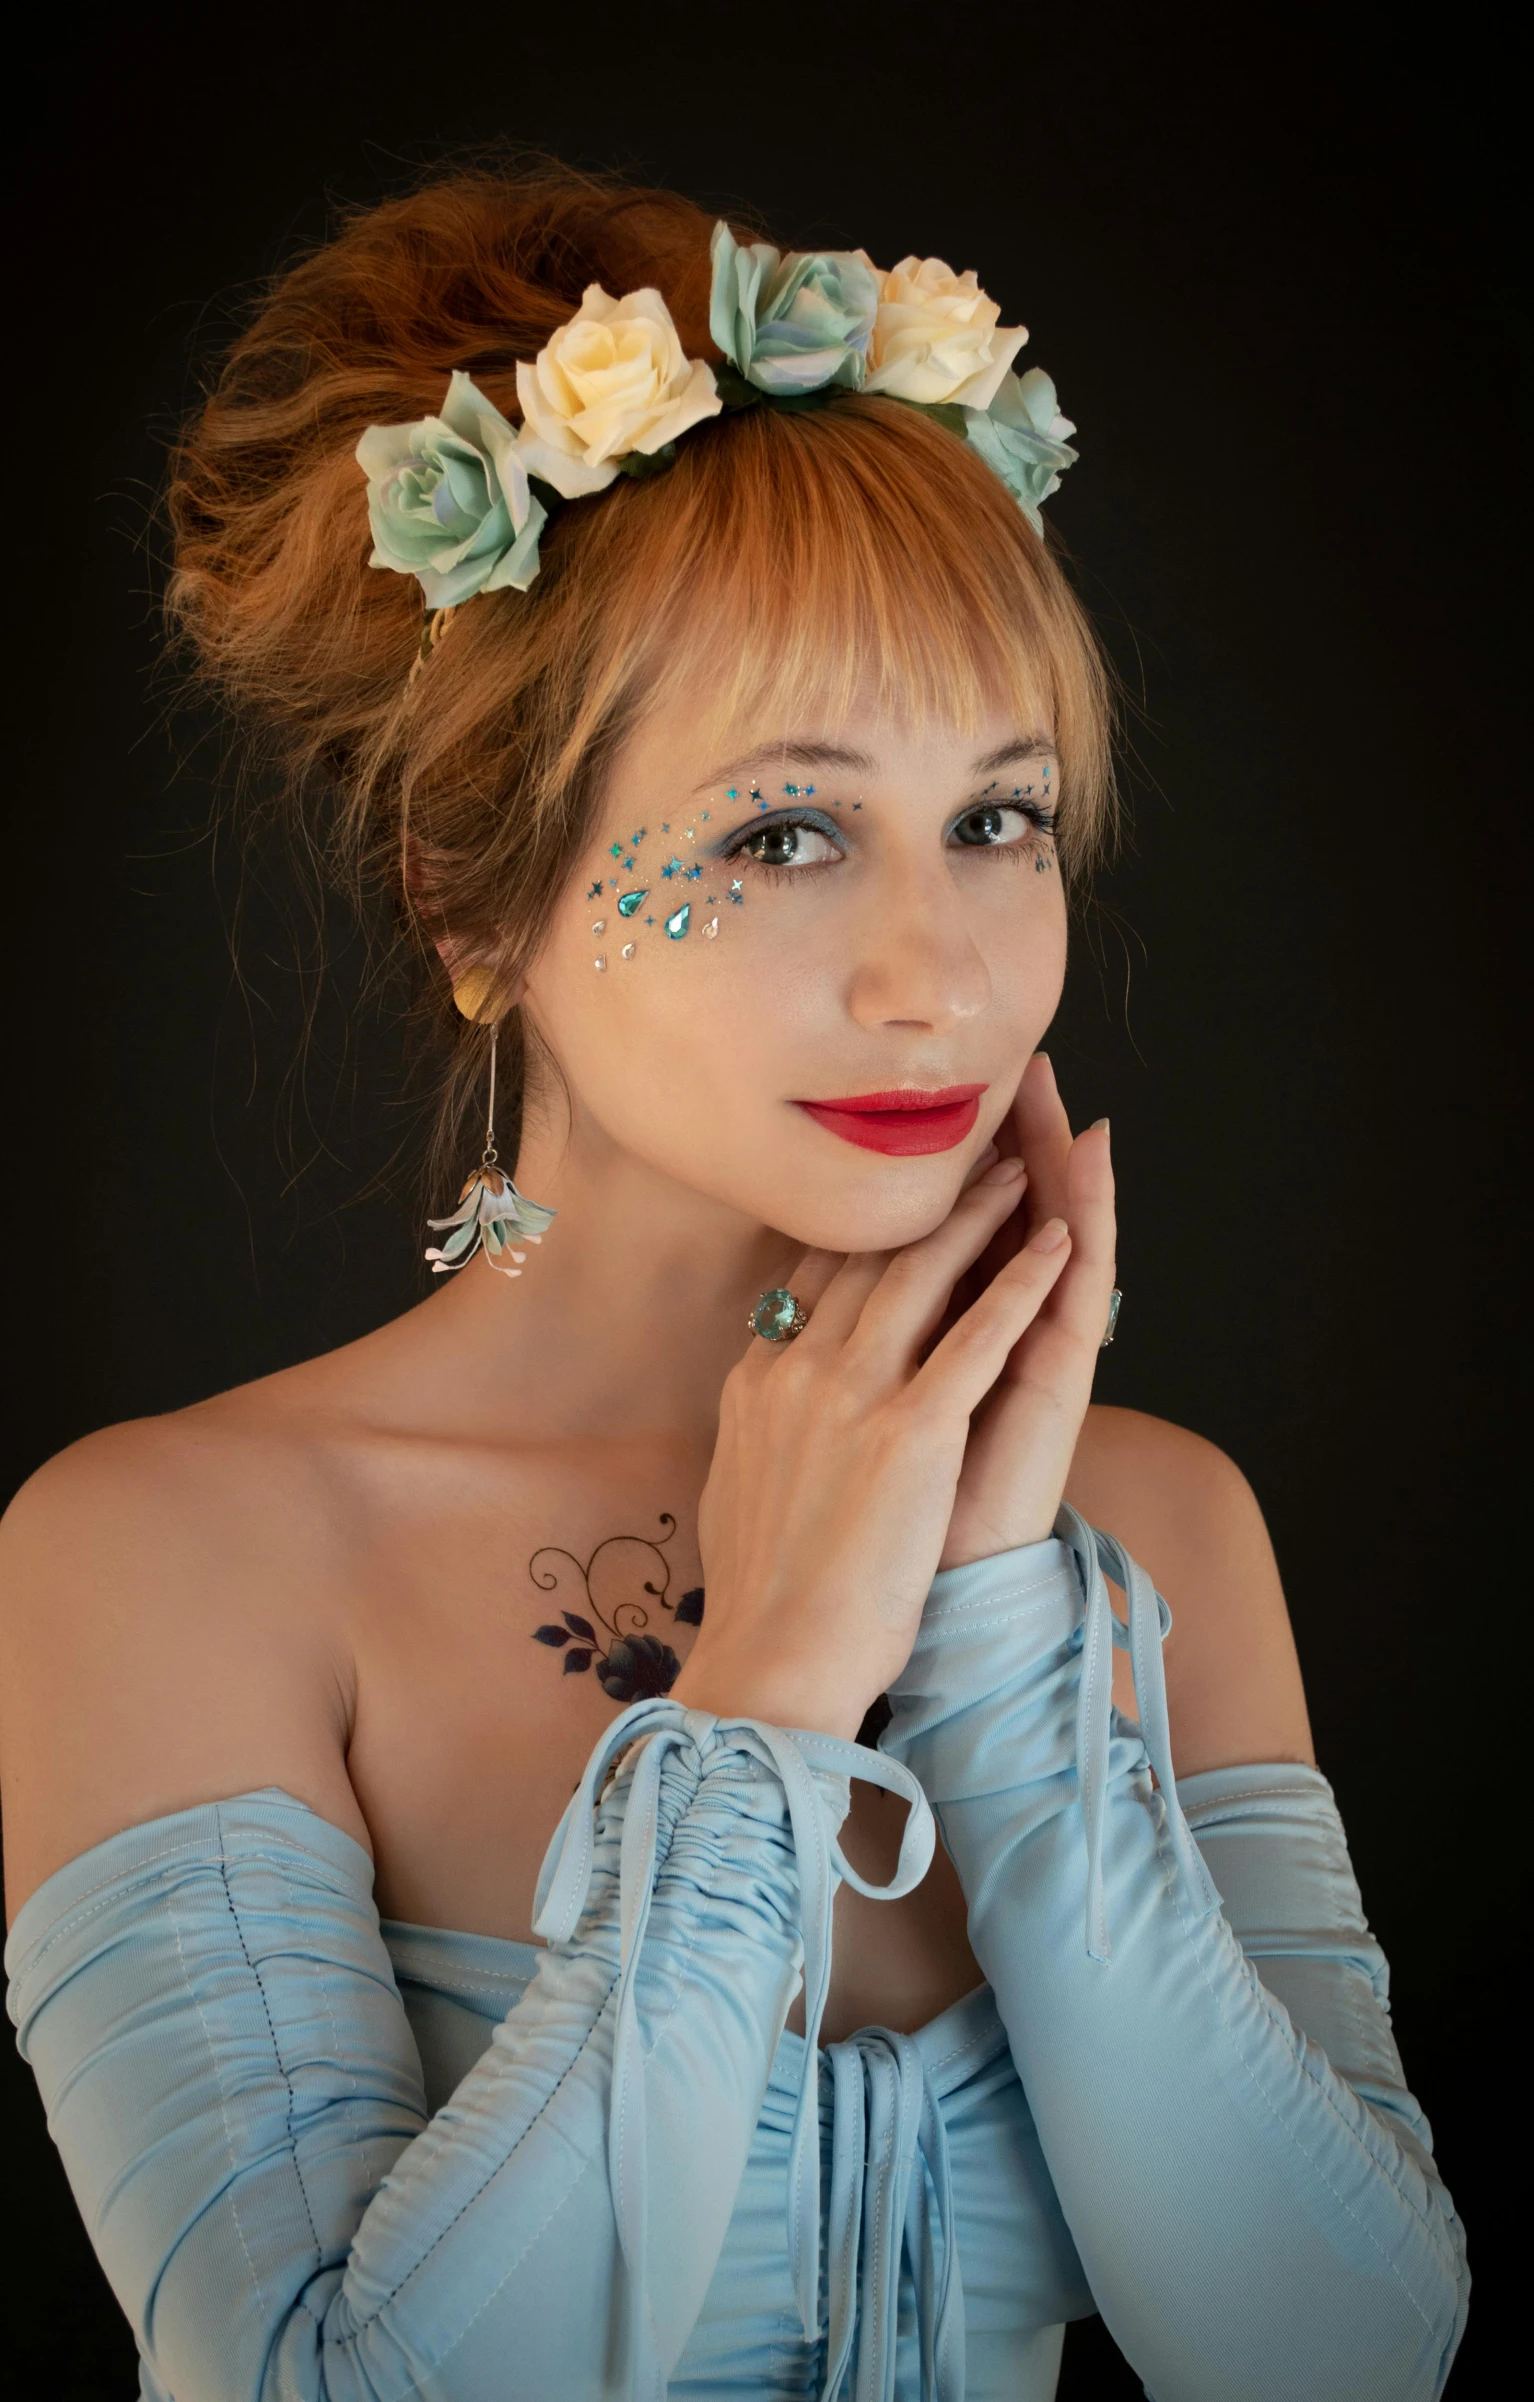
(631,1664)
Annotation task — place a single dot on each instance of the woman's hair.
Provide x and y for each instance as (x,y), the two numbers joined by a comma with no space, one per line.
(786,564)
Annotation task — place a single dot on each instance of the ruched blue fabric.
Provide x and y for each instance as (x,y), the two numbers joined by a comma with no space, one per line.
(328,2160)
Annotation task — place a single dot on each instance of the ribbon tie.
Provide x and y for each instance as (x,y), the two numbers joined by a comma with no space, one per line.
(657,1728)
(891,2198)
(1150,1622)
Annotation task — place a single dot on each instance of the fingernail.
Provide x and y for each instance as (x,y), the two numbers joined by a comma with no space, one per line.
(1099,1122)
(1006,1171)
(1050,1235)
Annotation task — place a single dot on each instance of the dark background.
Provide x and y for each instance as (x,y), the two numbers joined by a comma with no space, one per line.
(1265,256)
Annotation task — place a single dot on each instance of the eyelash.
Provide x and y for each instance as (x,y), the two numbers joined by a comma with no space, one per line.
(1039,815)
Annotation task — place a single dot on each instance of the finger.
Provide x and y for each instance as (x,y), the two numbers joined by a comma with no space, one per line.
(1044,1138)
(910,1297)
(1060,1353)
(966,1363)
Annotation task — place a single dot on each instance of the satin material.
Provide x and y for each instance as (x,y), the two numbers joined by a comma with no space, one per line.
(324,2159)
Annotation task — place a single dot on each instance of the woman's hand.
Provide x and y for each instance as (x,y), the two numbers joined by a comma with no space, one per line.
(833,1486)
(1024,1434)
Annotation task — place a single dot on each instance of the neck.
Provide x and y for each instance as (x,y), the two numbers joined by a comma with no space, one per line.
(629,1314)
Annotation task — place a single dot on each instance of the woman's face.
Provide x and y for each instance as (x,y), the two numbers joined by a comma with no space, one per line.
(763,955)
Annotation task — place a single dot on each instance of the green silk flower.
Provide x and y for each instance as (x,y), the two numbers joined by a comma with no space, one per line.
(791,325)
(449,500)
(1021,437)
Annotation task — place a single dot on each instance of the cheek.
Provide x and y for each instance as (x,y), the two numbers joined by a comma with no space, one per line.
(678,1050)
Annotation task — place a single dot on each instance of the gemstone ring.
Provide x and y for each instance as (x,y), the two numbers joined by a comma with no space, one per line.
(779,1316)
(1114,1298)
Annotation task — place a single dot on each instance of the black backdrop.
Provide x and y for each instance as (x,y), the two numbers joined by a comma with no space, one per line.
(1263,256)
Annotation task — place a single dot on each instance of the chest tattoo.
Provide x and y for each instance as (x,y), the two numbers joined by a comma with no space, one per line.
(610,1631)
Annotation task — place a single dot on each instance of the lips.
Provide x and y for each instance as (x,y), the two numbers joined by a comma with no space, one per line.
(904,1123)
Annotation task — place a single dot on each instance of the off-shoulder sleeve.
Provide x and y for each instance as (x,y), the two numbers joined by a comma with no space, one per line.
(1250,2186)
(210,2012)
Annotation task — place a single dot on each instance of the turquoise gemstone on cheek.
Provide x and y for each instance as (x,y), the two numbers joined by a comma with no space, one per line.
(628,902)
(678,922)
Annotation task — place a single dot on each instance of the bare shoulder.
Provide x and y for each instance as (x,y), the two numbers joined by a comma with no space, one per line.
(1184,1510)
(164,1638)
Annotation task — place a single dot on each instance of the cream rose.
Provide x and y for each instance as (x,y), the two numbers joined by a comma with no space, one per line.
(612,381)
(936,336)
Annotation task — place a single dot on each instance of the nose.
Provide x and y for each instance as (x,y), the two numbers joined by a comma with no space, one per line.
(915,963)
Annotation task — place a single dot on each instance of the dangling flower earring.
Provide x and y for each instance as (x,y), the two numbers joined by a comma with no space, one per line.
(491,1212)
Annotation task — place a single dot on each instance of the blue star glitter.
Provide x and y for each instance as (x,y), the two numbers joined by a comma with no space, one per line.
(639,837)
(693,873)
(732,794)
(649,921)
(792,791)
(669,871)
(615,851)
(595,893)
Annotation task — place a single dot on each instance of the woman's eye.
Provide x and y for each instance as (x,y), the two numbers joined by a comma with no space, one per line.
(992,823)
(790,846)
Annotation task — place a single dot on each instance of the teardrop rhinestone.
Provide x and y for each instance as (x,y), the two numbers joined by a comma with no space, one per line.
(628,902)
(629,949)
(599,964)
(712,928)
(679,921)
(600,927)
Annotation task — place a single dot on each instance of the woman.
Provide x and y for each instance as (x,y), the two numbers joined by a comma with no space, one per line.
(439,1843)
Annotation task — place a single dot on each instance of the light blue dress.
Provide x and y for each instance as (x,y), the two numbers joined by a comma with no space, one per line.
(325,2160)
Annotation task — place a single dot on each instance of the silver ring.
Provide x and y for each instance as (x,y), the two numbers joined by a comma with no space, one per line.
(1114,1298)
(779,1316)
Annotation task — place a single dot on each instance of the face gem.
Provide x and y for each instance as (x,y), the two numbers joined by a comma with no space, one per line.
(600,965)
(629,949)
(679,921)
(600,927)
(628,902)
(712,928)
(595,894)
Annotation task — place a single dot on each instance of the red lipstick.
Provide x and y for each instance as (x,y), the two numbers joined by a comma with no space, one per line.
(904,1122)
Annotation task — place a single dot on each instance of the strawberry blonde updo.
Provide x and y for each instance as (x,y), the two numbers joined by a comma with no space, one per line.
(786,564)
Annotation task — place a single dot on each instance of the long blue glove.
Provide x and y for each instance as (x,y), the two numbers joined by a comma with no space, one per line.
(208,2007)
(1255,2207)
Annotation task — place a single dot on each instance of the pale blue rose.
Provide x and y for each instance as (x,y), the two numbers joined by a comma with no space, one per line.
(1022,436)
(791,325)
(449,501)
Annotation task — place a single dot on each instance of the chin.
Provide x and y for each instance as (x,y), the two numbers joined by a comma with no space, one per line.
(878,1207)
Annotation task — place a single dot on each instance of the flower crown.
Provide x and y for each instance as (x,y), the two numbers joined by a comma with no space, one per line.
(460,500)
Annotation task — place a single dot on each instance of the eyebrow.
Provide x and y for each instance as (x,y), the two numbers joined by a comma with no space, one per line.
(803,752)
(1012,754)
(796,753)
